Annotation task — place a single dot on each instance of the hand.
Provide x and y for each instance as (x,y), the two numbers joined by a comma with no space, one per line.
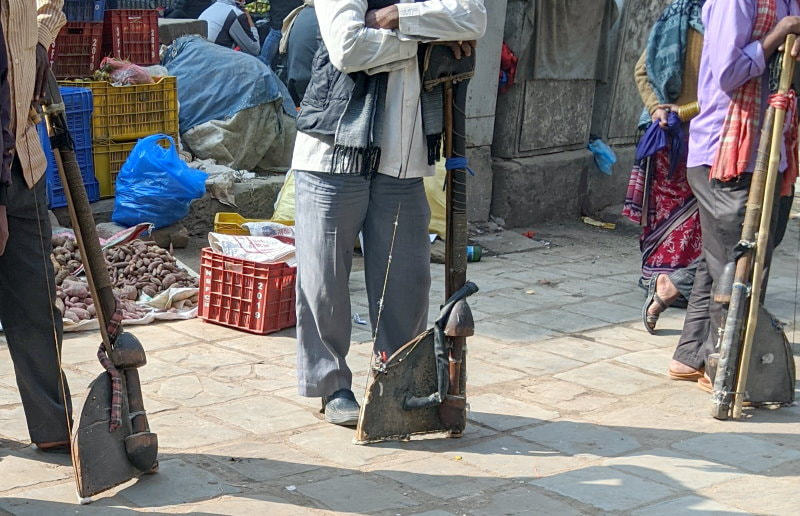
(3,229)
(661,114)
(776,38)
(387,18)
(42,70)
(460,48)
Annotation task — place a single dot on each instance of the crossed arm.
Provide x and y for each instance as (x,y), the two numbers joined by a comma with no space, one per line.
(358,39)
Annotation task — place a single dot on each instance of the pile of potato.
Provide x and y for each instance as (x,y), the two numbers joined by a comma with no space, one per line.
(66,258)
(136,268)
(75,302)
(146,268)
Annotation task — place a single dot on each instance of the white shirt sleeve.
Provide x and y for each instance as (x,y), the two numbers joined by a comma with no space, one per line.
(443,20)
(351,45)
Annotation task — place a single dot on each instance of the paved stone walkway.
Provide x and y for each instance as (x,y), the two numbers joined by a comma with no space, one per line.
(571,412)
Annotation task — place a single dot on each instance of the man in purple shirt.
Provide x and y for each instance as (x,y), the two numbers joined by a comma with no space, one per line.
(730,58)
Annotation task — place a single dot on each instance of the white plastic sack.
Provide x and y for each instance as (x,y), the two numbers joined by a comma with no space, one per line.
(254,248)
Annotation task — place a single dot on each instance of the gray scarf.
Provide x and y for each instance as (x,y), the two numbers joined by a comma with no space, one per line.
(357,143)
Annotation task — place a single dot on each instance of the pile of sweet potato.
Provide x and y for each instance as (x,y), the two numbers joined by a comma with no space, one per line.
(145,267)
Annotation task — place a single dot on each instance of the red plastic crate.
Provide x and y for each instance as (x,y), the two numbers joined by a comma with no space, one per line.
(132,34)
(76,51)
(246,295)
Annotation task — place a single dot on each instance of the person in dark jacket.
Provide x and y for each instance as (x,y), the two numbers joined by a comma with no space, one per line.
(299,47)
(278,11)
(188,9)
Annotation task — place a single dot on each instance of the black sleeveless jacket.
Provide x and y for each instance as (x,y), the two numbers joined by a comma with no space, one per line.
(328,91)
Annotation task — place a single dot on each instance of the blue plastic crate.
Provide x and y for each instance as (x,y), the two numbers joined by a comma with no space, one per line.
(55,190)
(84,10)
(78,104)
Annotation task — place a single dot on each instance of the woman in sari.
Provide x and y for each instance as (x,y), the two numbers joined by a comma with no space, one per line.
(659,197)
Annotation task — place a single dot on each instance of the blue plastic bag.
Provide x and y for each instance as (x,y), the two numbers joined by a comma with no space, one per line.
(155,185)
(604,157)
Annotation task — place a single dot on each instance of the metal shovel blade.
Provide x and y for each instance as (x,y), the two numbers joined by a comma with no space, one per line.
(410,371)
(771,374)
(99,456)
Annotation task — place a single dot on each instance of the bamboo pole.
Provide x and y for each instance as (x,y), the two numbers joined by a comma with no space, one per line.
(787,71)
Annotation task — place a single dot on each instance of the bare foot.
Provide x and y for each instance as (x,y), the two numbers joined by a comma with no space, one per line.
(666,291)
(681,368)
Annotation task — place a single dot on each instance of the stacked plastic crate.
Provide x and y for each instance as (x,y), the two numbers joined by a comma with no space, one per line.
(122,115)
(127,30)
(78,107)
(77,51)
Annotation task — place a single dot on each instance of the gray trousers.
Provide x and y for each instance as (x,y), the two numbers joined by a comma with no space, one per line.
(683,279)
(331,209)
(31,322)
(722,208)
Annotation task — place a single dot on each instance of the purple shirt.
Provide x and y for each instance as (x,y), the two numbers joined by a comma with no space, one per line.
(729,60)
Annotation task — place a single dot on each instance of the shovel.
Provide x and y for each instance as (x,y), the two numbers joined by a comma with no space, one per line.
(420,389)
(104,455)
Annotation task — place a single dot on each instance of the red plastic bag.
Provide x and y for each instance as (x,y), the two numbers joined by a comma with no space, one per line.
(508,68)
(124,73)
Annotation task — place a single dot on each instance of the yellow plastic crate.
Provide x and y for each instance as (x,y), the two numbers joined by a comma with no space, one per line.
(108,160)
(231,223)
(123,113)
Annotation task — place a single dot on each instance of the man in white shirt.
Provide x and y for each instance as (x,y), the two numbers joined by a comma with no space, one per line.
(360,156)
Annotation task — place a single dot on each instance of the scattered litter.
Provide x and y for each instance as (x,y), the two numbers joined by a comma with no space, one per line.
(433,237)
(504,448)
(530,291)
(358,320)
(529,234)
(548,283)
(457,457)
(291,488)
(592,222)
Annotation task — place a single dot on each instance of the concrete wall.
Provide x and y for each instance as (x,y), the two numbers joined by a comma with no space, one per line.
(618,104)
(481,101)
(541,168)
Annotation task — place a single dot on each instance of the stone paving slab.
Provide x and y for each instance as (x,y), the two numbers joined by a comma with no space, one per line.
(571,412)
(176,483)
(611,378)
(262,461)
(522,501)
(510,457)
(688,504)
(27,468)
(606,488)
(443,478)
(750,454)
(560,321)
(676,469)
(356,493)
(573,438)
(757,494)
(533,362)
(248,505)
(581,350)
(502,412)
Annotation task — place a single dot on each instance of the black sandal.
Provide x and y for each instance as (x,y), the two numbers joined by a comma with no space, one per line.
(649,320)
